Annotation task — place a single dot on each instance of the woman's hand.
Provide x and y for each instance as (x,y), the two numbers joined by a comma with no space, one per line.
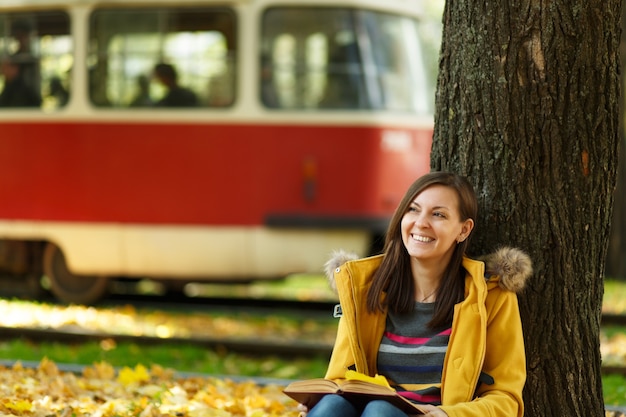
(433,411)
(303,409)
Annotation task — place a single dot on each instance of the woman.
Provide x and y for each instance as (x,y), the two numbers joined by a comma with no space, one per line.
(442,328)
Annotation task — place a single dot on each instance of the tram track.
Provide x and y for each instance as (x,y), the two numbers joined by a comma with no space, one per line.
(184,303)
(613,319)
(257,346)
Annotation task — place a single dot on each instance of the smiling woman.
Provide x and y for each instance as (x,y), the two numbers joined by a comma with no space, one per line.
(430,228)
(424,327)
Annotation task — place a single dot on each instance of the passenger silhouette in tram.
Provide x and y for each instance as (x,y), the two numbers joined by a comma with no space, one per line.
(176,96)
(21,31)
(16,92)
(269,93)
(58,92)
(98,86)
(344,84)
(142,99)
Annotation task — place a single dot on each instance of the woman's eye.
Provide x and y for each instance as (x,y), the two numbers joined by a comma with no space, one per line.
(439,214)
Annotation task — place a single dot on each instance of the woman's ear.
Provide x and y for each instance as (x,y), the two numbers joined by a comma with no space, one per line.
(466,229)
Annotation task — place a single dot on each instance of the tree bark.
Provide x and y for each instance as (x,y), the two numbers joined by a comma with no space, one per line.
(527,108)
(616,259)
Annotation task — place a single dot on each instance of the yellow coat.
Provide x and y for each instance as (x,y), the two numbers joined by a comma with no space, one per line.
(486,336)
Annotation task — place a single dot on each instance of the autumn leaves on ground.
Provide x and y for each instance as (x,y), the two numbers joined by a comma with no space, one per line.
(101,391)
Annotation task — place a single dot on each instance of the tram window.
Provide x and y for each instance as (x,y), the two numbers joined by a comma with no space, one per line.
(36,59)
(340,58)
(130,50)
(399,62)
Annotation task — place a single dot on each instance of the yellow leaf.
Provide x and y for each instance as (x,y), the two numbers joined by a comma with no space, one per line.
(48,367)
(128,376)
(18,406)
(102,370)
(378,379)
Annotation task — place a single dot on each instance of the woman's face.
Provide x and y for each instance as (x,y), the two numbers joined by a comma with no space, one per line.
(432,226)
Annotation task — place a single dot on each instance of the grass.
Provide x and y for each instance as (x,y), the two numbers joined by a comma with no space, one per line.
(614,389)
(614,300)
(182,358)
(614,386)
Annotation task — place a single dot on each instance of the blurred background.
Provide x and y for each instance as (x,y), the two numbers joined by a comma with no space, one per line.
(209,142)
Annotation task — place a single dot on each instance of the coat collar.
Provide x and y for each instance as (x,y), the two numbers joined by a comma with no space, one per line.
(509,268)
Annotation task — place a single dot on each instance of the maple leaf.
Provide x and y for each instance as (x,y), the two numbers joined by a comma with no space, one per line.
(18,406)
(128,376)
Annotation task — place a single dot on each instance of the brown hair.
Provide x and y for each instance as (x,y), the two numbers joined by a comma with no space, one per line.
(394,275)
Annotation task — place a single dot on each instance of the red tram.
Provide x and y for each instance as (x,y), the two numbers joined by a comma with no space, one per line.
(308,121)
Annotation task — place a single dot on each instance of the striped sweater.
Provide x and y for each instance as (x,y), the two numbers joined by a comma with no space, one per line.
(411,354)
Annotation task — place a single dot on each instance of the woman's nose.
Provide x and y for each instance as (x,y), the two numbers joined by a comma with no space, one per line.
(422,220)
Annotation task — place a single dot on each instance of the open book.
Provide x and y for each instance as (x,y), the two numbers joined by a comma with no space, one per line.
(310,391)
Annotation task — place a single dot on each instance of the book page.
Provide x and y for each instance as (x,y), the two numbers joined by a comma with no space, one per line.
(309,392)
(313,385)
(366,388)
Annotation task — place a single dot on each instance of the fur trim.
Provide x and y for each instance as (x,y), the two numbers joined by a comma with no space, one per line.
(337,258)
(512,265)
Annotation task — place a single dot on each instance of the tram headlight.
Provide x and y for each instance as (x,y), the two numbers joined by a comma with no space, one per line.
(309,175)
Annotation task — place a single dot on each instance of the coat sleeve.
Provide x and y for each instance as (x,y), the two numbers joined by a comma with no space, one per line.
(341,358)
(359,331)
(347,351)
(505,362)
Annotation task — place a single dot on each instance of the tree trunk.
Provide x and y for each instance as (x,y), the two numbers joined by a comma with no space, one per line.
(527,108)
(616,260)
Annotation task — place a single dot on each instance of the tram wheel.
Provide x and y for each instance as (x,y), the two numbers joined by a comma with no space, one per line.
(67,287)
